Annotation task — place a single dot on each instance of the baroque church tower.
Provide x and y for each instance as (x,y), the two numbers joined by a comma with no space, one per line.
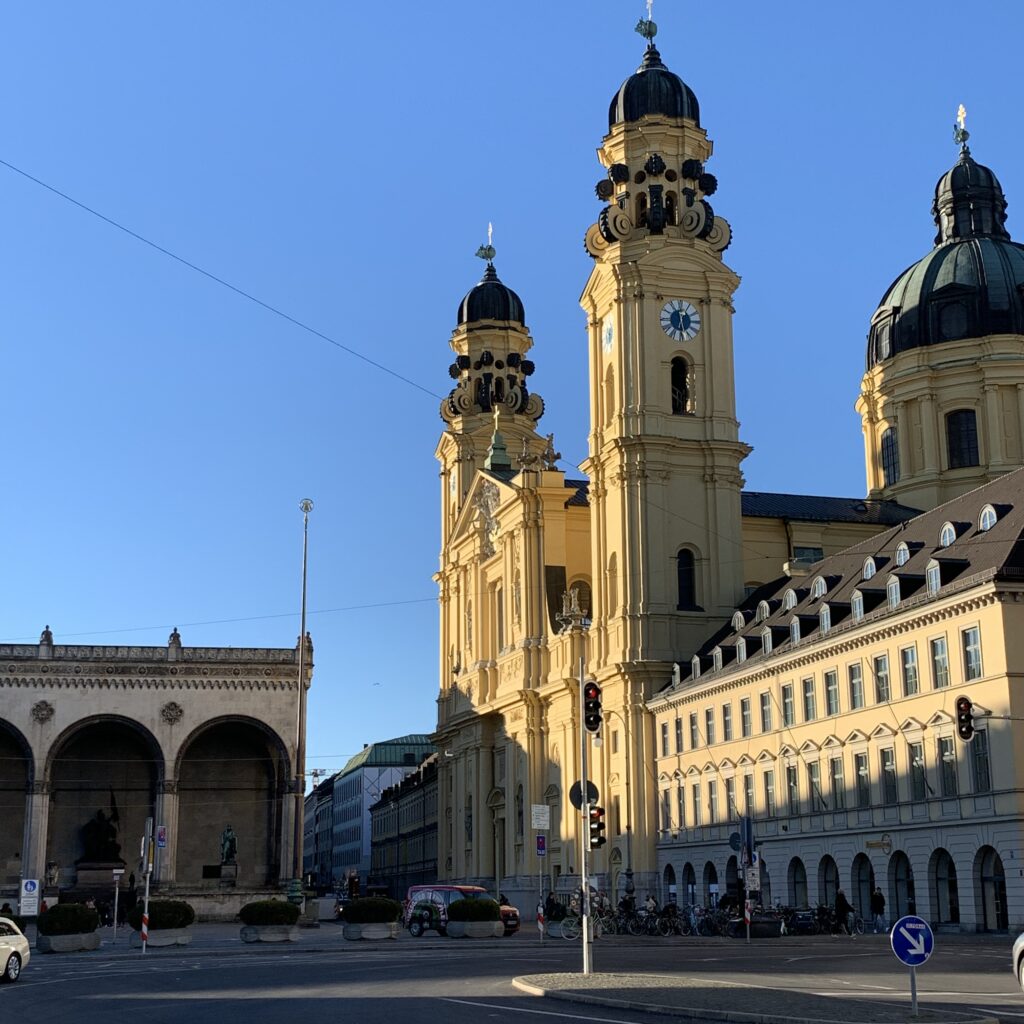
(664,450)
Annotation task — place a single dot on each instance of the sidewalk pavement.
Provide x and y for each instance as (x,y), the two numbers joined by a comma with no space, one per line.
(677,995)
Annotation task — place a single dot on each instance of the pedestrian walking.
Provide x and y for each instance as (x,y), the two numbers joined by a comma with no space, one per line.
(844,913)
(878,911)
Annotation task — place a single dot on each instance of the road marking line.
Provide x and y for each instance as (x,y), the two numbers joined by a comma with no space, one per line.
(1001,1013)
(542,1013)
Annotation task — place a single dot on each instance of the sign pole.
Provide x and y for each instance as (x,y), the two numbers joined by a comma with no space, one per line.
(912,942)
(913,991)
(147,863)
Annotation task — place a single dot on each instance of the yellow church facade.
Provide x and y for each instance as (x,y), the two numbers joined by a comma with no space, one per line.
(660,543)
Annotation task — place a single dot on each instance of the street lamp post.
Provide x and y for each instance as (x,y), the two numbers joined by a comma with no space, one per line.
(306,506)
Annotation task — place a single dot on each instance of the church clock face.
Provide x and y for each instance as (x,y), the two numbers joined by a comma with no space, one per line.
(608,336)
(680,320)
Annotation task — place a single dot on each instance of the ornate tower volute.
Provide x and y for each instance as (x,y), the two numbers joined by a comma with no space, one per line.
(664,451)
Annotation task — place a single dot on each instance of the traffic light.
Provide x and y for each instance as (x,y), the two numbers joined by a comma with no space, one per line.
(592,707)
(965,719)
(597,827)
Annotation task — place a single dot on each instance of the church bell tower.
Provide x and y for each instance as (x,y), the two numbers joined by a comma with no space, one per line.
(664,451)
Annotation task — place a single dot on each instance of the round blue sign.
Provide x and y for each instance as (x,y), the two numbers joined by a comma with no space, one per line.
(912,940)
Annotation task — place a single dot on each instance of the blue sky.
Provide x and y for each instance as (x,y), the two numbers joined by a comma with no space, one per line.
(341,163)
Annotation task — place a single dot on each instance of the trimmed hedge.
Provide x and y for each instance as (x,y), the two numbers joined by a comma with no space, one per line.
(269,912)
(163,914)
(372,910)
(68,919)
(474,910)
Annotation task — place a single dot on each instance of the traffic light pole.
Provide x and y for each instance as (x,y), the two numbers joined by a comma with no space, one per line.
(584,835)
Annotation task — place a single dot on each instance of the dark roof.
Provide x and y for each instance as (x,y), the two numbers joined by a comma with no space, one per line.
(581,489)
(491,300)
(969,285)
(391,753)
(813,508)
(653,89)
(975,556)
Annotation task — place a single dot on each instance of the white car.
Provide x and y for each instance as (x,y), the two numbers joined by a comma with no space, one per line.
(14,950)
(1018,959)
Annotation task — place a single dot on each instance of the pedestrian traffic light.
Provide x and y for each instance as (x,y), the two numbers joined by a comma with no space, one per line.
(965,718)
(597,827)
(592,706)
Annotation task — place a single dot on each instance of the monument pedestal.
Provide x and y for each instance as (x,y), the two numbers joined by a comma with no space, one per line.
(228,876)
(98,874)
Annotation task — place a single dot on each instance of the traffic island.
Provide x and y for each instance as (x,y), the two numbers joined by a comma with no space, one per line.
(698,998)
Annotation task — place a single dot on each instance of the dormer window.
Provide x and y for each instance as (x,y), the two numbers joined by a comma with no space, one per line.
(766,641)
(902,554)
(789,600)
(794,630)
(738,621)
(987,519)
(857,606)
(741,650)
(933,577)
(892,592)
(763,611)
(947,535)
(869,568)
(716,658)
(695,667)
(818,588)
(824,618)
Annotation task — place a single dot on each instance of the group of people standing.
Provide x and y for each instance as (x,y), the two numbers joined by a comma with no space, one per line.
(845,913)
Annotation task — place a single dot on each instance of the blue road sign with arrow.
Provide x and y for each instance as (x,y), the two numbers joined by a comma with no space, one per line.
(912,940)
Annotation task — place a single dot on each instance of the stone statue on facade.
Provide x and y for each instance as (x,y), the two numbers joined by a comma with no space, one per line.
(99,841)
(46,637)
(228,846)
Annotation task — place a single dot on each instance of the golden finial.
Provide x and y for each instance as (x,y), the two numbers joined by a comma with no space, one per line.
(960,133)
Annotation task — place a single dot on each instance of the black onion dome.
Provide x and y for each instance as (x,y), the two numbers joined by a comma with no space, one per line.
(653,89)
(970,285)
(491,300)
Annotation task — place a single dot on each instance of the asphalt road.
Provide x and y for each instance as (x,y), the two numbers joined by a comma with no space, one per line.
(461,982)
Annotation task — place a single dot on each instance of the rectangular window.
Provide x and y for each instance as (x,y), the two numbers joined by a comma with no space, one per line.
(745,724)
(908,668)
(807,553)
(940,662)
(681,801)
(679,735)
(709,726)
(918,782)
(748,793)
(712,802)
(883,692)
(856,676)
(615,741)
(499,617)
(766,712)
(730,800)
(788,705)
(814,785)
(617,815)
(810,703)
(792,790)
(972,653)
(694,734)
(695,803)
(837,783)
(890,793)
(664,739)
(832,693)
(981,773)
(947,765)
(860,764)
(769,793)
(727,722)
(666,810)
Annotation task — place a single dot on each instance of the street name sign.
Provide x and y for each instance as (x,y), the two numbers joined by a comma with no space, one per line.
(912,940)
(540,816)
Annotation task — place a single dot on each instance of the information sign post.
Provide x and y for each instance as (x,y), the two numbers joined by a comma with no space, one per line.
(912,942)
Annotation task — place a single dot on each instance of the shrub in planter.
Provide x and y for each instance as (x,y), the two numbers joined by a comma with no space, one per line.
(474,910)
(163,914)
(372,910)
(269,912)
(68,919)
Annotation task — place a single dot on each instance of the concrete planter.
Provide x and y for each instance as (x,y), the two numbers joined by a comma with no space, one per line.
(67,943)
(269,933)
(476,929)
(162,937)
(355,932)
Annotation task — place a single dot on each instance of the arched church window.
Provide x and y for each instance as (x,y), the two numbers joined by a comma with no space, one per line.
(670,207)
(883,346)
(680,387)
(686,581)
(947,535)
(869,568)
(641,210)
(890,457)
(962,438)
(902,553)
(987,519)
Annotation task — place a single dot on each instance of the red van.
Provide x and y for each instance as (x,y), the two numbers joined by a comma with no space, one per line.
(426,907)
